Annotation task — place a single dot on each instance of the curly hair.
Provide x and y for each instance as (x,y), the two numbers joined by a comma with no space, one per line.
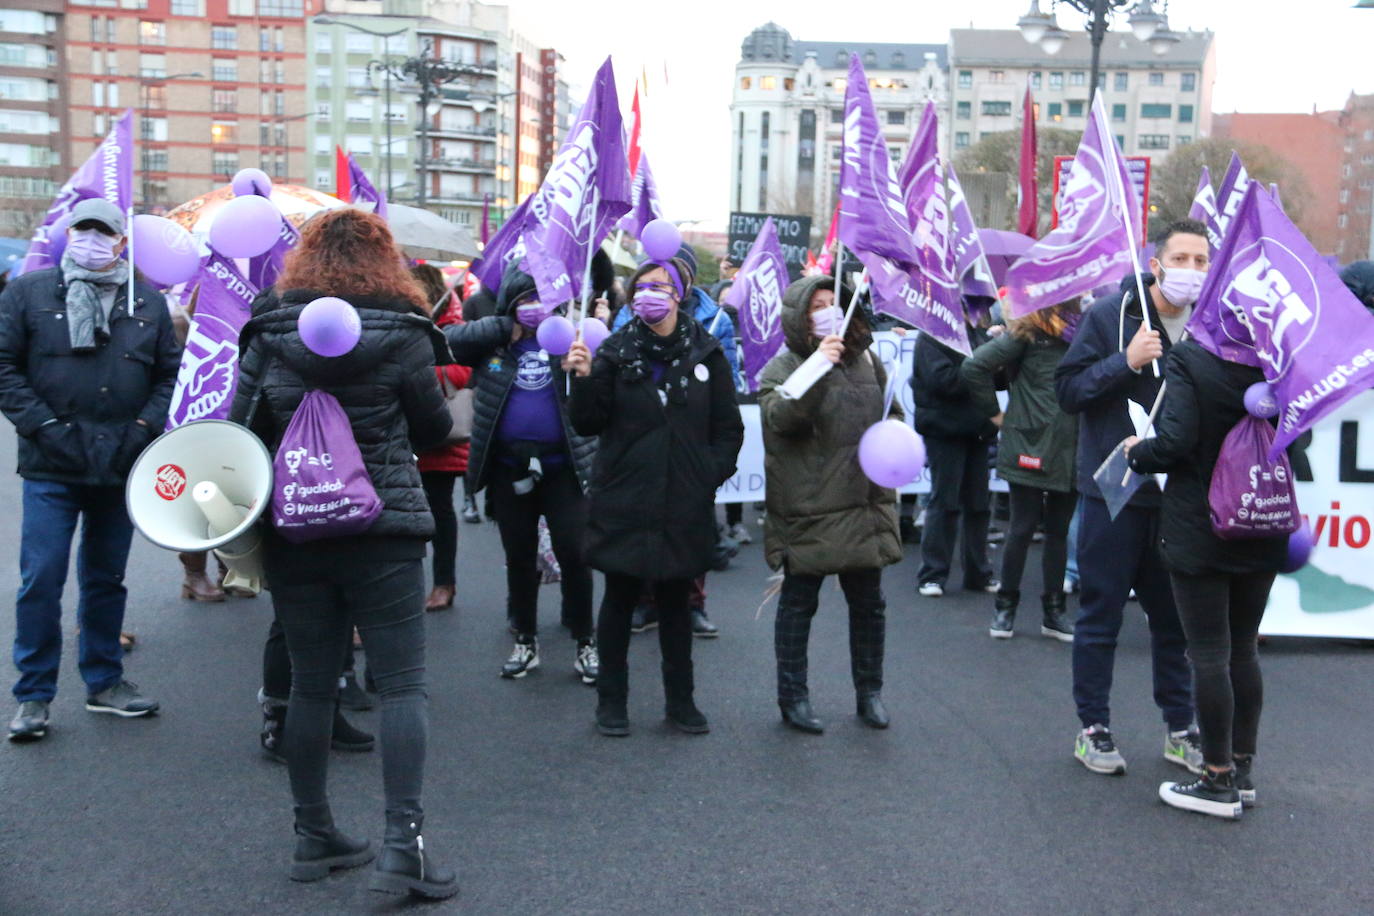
(431,280)
(1050,322)
(350,252)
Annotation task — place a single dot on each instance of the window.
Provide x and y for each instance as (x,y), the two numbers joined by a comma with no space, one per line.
(224,70)
(25,122)
(152,65)
(1056,111)
(997,76)
(1121,81)
(154,160)
(22,22)
(1156,79)
(23,56)
(153,96)
(1341,221)
(224,100)
(963,110)
(768,82)
(997,109)
(965,79)
(359,110)
(324,178)
(1056,79)
(1189,82)
(22,156)
(1120,140)
(281,9)
(279,71)
(961,140)
(324,42)
(152,129)
(224,162)
(1367,159)
(324,144)
(98,95)
(841,60)
(357,78)
(1185,114)
(152,33)
(837,116)
(111,30)
(241,8)
(224,132)
(23,89)
(746,82)
(788,83)
(1035,79)
(224,37)
(188,7)
(357,43)
(895,116)
(1156,110)
(1118,112)
(1075,109)
(765,125)
(1078,78)
(358,144)
(1154,141)
(324,76)
(1184,139)
(111,61)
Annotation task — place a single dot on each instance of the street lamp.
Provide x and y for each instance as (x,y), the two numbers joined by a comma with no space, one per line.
(384,65)
(481,104)
(1148,26)
(143,82)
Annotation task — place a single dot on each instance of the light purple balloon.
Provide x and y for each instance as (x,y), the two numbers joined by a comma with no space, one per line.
(330,326)
(1260,401)
(251,181)
(245,227)
(165,252)
(594,332)
(661,240)
(1300,544)
(891,454)
(556,335)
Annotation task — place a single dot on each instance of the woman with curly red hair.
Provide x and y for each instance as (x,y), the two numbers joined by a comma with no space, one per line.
(375,581)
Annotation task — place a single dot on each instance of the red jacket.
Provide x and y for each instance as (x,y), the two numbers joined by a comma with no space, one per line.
(450,458)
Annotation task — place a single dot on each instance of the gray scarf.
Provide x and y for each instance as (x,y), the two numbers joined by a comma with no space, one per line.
(85,317)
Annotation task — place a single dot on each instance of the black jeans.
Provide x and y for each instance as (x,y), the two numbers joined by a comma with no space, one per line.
(958,491)
(386,600)
(276,663)
(439,491)
(734,513)
(1221,614)
(557,497)
(674,625)
(863,590)
(1028,506)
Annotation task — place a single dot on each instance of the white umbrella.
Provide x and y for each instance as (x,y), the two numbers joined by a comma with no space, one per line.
(428,236)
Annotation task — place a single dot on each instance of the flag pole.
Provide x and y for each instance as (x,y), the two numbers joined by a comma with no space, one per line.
(586,276)
(129,211)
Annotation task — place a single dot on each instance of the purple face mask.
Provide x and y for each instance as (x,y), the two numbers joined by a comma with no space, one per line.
(652,305)
(531,314)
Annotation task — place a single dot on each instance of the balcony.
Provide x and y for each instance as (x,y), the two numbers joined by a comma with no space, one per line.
(462,165)
(458,197)
(470,130)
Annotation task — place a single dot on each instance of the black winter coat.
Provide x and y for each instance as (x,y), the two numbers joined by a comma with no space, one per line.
(484,344)
(386,385)
(1094,381)
(946,407)
(658,466)
(1204,401)
(97,398)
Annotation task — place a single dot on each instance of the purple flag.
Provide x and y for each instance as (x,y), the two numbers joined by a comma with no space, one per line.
(505,247)
(265,268)
(1230,192)
(644,194)
(971,266)
(757,296)
(585,193)
(1204,210)
(108,173)
(1099,216)
(1272,302)
(362,189)
(210,363)
(1274,193)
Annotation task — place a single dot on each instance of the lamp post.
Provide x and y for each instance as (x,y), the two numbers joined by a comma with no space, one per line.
(1043,29)
(143,83)
(429,72)
(481,104)
(385,66)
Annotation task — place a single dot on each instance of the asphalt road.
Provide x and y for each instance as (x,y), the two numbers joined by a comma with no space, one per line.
(971,802)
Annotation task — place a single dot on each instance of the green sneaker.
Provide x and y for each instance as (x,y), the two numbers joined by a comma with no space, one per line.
(1185,749)
(1096,750)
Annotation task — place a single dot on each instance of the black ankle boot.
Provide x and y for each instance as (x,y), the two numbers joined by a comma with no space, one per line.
(798,714)
(612,692)
(273,727)
(872,712)
(1054,623)
(348,738)
(1004,614)
(404,867)
(679,707)
(321,848)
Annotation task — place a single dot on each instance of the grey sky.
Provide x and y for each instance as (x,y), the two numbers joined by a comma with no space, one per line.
(1271,56)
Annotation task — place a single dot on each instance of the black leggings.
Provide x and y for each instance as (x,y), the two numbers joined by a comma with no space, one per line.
(674,624)
(439,491)
(1221,616)
(1028,505)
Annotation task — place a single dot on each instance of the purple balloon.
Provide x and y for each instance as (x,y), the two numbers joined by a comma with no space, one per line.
(594,332)
(245,227)
(57,237)
(1300,544)
(251,181)
(661,240)
(1260,401)
(165,252)
(891,454)
(556,334)
(330,326)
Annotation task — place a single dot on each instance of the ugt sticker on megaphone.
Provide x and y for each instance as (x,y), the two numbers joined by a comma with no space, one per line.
(170,482)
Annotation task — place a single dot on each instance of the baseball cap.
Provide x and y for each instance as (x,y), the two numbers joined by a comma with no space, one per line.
(98,210)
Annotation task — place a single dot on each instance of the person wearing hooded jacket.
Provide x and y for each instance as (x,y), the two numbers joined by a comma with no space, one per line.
(1106,370)
(824,516)
(375,581)
(527,456)
(660,397)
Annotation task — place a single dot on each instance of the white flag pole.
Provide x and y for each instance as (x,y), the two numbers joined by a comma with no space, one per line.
(591,253)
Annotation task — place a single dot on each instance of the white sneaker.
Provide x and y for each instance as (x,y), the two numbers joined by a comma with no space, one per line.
(1184,748)
(587,663)
(739,534)
(930,590)
(524,658)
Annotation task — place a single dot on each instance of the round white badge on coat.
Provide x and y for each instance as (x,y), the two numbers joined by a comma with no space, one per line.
(702,373)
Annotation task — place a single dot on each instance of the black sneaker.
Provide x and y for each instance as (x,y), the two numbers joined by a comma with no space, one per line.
(31,721)
(347,738)
(273,727)
(1212,793)
(644,618)
(351,694)
(123,699)
(524,658)
(1245,783)
(702,627)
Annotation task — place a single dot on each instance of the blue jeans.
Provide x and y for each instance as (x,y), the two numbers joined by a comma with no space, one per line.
(1071,567)
(51,510)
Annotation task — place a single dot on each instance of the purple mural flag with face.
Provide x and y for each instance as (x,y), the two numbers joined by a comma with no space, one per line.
(362,189)
(646,206)
(1091,246)
(108,173)
(757,296)
(585,193)
(1204,210)
(210,363)
(1272,302)
(971,266)
(507,246)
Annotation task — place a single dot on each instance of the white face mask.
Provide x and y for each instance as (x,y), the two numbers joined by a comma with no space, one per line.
(91,248)
(826,321)
(1181,285)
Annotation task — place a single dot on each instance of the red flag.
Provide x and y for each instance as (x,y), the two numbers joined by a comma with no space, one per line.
(812,268)
(827,257)
(471,284)
(634,133)
(343,183)
(1028,188)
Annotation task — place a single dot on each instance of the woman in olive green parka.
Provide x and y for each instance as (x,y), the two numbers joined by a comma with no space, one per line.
(824,516)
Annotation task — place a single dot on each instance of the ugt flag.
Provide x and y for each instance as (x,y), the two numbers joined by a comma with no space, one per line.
(645,206)
(1204,210)
(586,191)
(1230,193)
(757,297)
(971,267)
(1099,223)
(209,369)
(108,173)
(1272,302)
(506,247)
(361,189)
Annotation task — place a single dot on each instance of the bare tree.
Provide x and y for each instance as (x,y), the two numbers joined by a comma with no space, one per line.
(1173,183)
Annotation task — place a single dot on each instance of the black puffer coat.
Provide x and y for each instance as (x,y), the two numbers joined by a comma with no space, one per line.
(484,345)
(945,406)
(653,494)
(386,385)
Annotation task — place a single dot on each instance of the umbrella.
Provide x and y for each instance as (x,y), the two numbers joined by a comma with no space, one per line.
(428,236)
(1003,248)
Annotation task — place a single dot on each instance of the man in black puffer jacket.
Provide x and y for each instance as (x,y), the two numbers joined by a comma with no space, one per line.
(525,451)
